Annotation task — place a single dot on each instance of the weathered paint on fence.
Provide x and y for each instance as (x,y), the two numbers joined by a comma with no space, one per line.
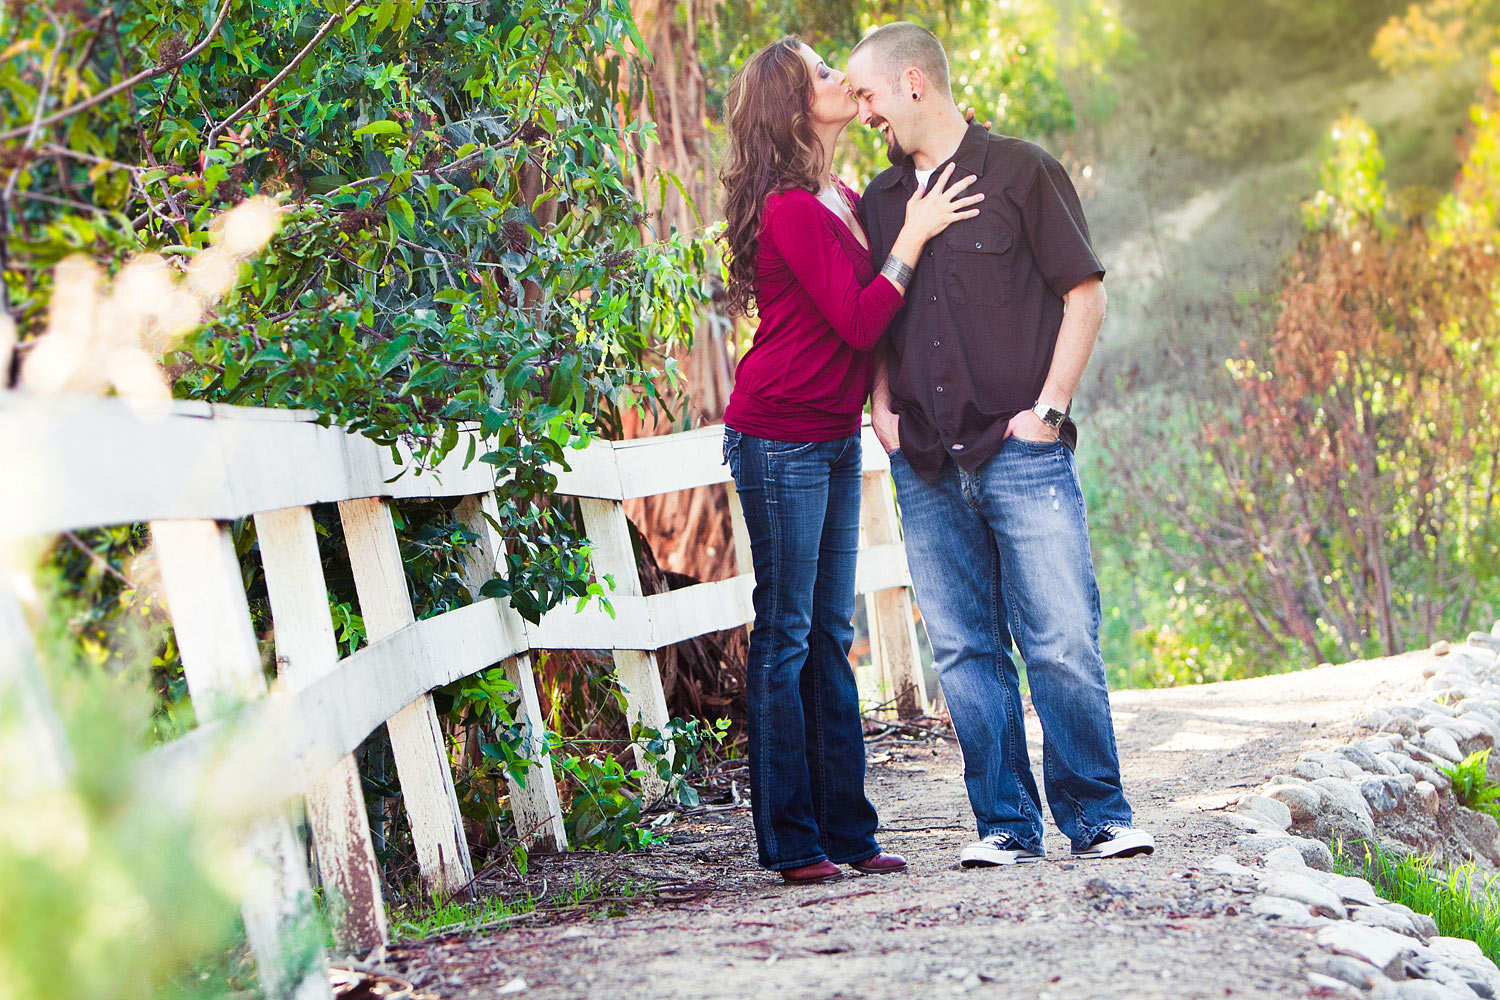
(189,468)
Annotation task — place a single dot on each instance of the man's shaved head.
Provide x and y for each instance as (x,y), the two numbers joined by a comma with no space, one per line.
(902,45)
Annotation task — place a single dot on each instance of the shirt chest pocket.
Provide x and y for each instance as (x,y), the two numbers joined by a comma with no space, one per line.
(980,260)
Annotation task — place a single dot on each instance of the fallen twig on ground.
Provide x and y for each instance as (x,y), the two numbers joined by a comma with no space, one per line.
(939,728)
(835,899)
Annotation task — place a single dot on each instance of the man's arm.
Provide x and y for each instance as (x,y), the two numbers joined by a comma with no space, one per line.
(1083,315)
(883,419)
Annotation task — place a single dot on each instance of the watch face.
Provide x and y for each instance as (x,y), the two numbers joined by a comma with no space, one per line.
(1052,418)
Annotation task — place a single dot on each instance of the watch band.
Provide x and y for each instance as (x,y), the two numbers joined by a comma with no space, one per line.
(1049,415)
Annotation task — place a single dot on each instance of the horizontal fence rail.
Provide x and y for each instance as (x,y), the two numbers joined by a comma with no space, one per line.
(189,468)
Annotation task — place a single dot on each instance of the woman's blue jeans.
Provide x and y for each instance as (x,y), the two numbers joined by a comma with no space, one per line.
(807,750)
(997,556)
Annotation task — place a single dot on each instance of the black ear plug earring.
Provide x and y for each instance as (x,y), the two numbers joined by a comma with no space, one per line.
(916,96)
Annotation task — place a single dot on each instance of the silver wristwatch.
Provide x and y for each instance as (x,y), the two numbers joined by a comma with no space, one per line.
(1048,415)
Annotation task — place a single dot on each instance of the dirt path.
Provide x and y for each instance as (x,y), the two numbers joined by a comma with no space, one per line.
(1155,927)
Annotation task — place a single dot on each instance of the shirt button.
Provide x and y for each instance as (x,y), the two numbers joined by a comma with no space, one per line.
(937,343)
(979,246)
(934,298)
(958,447)
(939,388)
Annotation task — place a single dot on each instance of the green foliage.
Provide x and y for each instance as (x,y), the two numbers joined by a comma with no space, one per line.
(1351,183)
(1238,86)
(608,800)
(1453,900)
(458,241)
(1202,48)
(1472,785)
(1343,498)
(584,894)
(1435,34)
(458,917)
(103,893)
(1165,619)
(677,752)
(1021,65)
(1472,210)
(607,804)
(486,701)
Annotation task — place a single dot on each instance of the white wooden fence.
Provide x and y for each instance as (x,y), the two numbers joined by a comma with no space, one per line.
(189,469)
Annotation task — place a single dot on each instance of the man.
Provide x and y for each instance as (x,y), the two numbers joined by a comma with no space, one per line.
(979,370)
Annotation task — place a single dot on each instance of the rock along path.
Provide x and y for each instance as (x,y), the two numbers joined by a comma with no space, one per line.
(1163,926)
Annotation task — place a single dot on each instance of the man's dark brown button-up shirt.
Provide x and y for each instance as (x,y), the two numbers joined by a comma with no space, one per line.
(973,345)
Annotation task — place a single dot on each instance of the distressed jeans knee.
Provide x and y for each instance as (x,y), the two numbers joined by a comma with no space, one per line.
(1010,542)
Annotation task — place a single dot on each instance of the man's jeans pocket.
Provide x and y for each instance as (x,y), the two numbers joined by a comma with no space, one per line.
(1036,445)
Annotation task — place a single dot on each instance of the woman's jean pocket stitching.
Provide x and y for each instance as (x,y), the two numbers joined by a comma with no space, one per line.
(732,453)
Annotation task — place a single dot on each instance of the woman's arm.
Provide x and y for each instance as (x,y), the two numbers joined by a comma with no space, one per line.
(802,232)
(801,229)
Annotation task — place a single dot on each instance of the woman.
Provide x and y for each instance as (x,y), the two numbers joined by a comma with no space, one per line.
(798,255)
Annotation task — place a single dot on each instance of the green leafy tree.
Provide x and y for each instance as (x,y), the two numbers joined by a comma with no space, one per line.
(1019,65)
(457,242)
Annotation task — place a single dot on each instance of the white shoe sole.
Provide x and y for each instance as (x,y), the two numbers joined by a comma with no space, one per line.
(1133,844)
(989,857)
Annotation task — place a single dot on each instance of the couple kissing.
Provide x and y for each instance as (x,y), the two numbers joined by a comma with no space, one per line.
(961,298)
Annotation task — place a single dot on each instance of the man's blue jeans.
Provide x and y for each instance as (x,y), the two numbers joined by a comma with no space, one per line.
(1002,555)
(807,750)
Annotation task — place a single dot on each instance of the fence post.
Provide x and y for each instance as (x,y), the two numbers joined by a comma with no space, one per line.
(535,805)
(305,651)
(45,759)
(893,632)
(645,701)
(744,561)
(416,738)
(221,660)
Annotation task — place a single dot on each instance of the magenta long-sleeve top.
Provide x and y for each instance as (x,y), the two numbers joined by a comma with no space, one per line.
(822,310)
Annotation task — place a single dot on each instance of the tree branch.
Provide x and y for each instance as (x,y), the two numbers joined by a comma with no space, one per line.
(108,92)
(50,199)
(214,133)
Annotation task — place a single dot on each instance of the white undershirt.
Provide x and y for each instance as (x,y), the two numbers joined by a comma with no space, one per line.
(923,176)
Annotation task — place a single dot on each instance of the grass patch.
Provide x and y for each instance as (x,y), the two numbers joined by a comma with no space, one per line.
(453,917)
(585,895)
(1472,785)
(1448,897)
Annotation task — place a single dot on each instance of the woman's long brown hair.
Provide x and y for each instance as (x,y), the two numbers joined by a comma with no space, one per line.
(772,147)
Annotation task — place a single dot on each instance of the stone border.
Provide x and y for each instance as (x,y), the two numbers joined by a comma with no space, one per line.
(1387,789)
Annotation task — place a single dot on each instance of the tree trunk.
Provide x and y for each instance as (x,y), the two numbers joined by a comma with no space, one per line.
(689,531)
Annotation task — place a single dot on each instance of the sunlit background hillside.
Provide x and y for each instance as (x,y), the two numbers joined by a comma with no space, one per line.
(1343,508)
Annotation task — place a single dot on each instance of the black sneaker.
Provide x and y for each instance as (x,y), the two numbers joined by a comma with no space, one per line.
(1118,842)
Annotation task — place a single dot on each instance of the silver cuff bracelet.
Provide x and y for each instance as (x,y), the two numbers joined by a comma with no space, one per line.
(897,270)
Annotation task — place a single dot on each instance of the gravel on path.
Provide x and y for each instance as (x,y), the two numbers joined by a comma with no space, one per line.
(1162,926)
